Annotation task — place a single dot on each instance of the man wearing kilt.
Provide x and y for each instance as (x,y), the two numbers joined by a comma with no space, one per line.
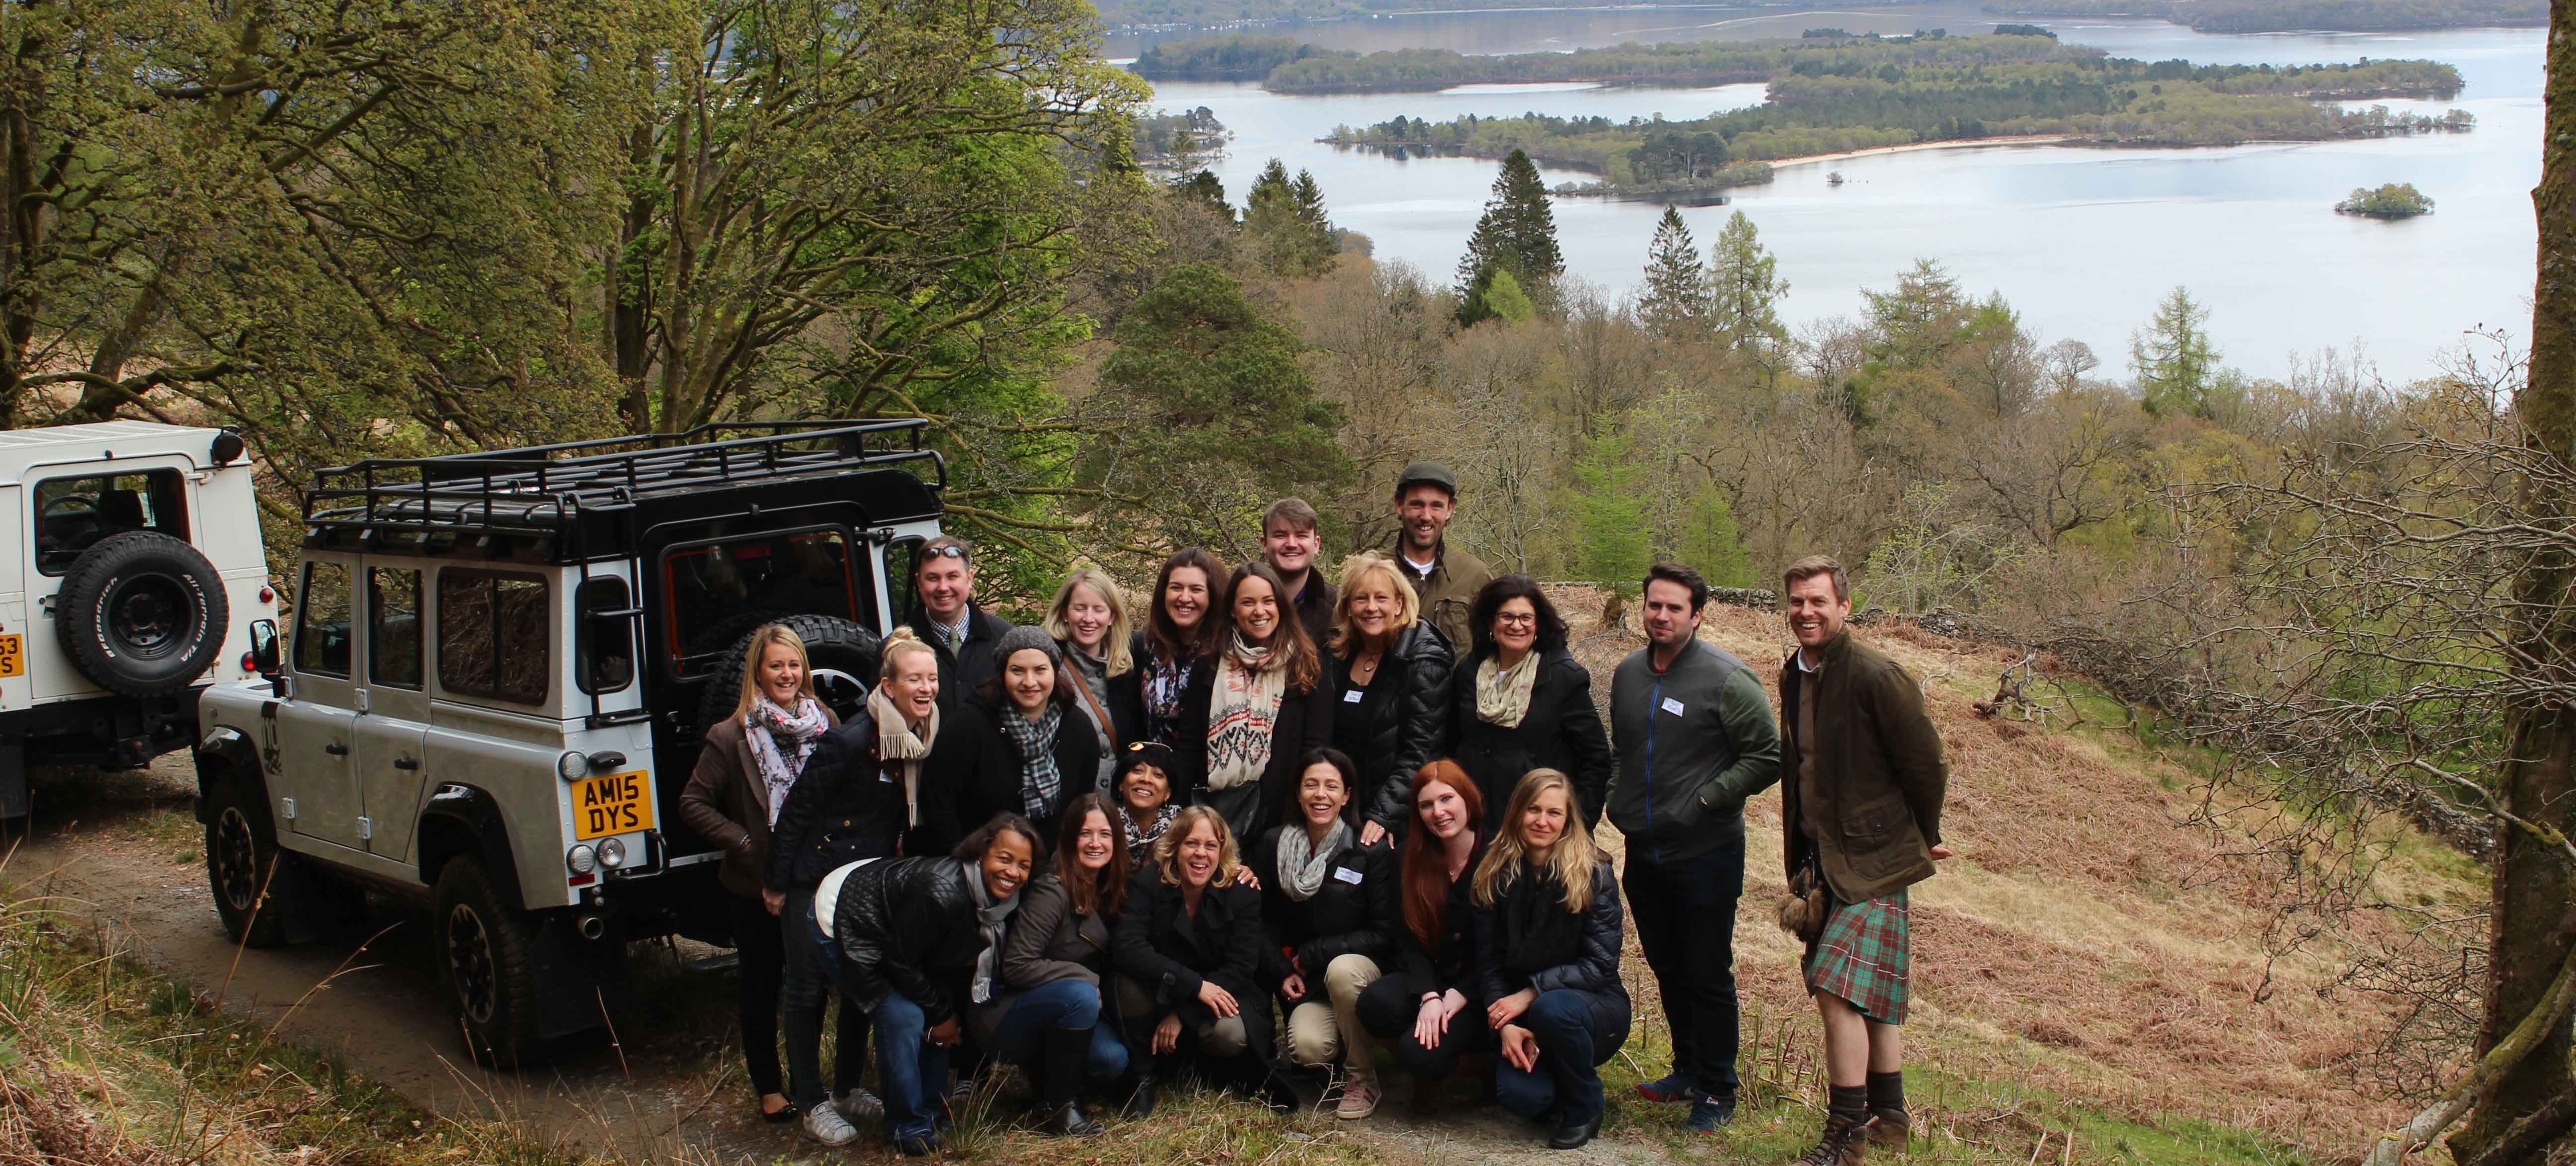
(1861,814)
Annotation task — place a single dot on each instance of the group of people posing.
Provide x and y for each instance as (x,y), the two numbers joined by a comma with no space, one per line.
(1111,849)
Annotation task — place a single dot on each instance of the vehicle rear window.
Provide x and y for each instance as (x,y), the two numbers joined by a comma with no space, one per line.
(720,591)
(493,635)
(75,514)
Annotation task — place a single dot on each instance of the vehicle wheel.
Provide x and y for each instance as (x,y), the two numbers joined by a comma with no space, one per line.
(842,654)
(244,867)
(483,946)
(142,614)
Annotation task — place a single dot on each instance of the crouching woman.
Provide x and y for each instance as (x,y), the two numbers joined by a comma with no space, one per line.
(1188,951)
(1547,957)
(917,940)
(1050,1014)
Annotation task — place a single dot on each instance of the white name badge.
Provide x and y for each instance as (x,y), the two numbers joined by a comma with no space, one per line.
(1353,696)
(1347,875)
(1672,706)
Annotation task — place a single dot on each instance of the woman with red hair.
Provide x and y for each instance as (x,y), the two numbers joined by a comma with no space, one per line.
(1426,1011)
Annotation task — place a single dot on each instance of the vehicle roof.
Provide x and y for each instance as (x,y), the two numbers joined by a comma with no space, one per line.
(20,448)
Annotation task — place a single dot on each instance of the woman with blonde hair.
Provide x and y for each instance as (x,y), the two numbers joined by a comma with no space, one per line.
(1188,954)
(862,796)
(1390,670)
(747,763)
(1547,958)
(1089,622)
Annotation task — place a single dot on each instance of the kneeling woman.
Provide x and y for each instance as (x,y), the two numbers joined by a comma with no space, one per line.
(1049,1013)
(1427,1008)
(1188,953)
(1329,905)
(1547,957)
(917,940)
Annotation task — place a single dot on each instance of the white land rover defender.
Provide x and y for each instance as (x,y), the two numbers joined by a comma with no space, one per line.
(137,580)
(499,671)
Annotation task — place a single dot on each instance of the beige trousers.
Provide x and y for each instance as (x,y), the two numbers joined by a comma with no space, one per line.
(1323,1031)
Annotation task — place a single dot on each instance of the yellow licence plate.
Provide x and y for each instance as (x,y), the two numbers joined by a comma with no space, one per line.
(13,658)
(611,804)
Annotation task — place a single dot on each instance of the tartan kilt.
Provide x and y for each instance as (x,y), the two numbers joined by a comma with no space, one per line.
(1863,955)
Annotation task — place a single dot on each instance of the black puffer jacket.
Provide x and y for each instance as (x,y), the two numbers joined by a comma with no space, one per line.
(1562,731)
(1527,939)
(1407,731)
(907,926)
(1354,912)
(845,806)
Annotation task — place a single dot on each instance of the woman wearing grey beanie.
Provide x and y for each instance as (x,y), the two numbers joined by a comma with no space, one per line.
(1034,751)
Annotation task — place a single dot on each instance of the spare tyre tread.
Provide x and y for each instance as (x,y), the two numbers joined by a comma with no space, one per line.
(88,584)
(830,642)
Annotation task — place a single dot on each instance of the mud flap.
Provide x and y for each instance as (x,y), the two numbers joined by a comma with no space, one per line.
(13,779)
(582,984)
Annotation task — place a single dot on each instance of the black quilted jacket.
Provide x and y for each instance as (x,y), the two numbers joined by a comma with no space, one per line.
(1408,731)
(1527,939)
(907,925)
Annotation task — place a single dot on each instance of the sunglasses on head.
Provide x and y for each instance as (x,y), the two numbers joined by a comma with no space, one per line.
(943,552)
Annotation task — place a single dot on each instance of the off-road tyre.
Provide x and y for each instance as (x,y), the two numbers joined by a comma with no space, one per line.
(251,879)
(142,614)
(485,951)
(832,645)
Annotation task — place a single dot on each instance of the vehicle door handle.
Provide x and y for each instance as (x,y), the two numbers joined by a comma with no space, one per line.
(336,749)
(406,763)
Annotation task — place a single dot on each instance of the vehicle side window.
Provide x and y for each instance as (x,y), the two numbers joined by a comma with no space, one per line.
(493,637)
(900,559)
(322,620)
(393,627)
(75,514)
(605,638)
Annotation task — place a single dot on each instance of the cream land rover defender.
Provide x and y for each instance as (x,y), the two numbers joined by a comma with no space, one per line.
(137,581)
(498,672)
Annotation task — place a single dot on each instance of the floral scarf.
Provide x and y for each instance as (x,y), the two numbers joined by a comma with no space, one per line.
(1141,838)
(765,726)
(1503,695)
(1165,683)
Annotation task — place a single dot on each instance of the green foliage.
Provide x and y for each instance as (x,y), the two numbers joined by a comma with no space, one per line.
(1675,300)
(2242,16)
(2396,200)
(1214,416)
(1672,64)
(1496,296)
(1746,288)
(1516,234)
(1285,218)
(1712,542)
(1921,319)
(1612,516)
(1223,58)
(2177,366)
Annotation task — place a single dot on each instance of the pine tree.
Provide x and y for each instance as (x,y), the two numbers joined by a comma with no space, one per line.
(1746,288)
(1676,302)
(1517,233)
(1714,543)
(1285,218)
(1611,515)
(2176,363)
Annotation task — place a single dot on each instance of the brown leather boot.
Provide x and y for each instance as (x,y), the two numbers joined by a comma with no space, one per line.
(1843,1142)
(1890,1130)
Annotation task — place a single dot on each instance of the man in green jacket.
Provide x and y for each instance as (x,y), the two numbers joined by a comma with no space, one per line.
(1694,738)
(1446,580)
(1860,809)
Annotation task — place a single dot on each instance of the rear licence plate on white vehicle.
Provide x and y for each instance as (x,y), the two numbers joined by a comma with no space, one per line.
(13,658)
(611,803)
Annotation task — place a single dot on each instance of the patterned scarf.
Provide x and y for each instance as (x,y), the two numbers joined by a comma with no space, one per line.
(1503,695)
(1302,863)
(1242,714)
(897,744)
(764,725)
(1141,838)
(991,920)
(1165,683)
(1039,781)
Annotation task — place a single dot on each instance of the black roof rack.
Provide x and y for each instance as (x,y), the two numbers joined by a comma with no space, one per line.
(544,491)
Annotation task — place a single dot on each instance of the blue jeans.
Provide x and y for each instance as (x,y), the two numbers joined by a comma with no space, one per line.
(1069,1005)
(1576,1031)
(912,1073)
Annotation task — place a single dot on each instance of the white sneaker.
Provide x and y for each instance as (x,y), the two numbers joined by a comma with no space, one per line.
(860,1105)
(826,1125)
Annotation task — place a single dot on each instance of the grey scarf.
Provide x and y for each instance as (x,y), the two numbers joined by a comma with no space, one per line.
(1302,863)
(991,920)
(1039,781)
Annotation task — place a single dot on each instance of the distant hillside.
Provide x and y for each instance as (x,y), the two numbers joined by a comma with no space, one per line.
(2287,15)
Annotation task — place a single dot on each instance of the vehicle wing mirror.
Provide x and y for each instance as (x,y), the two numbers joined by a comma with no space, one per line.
(263,648)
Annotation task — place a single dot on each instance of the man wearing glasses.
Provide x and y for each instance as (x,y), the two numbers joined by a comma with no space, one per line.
(944,615)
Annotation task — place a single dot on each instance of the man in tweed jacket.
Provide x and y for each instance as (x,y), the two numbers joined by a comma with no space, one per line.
(1861,810)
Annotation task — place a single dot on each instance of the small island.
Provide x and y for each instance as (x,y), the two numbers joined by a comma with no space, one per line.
(2397,200)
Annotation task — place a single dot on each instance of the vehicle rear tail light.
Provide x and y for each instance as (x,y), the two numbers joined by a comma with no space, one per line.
(250,661)
(582,860)
(268,595)
(612,854)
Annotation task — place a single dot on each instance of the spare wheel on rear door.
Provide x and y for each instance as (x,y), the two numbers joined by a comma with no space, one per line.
(141,614)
